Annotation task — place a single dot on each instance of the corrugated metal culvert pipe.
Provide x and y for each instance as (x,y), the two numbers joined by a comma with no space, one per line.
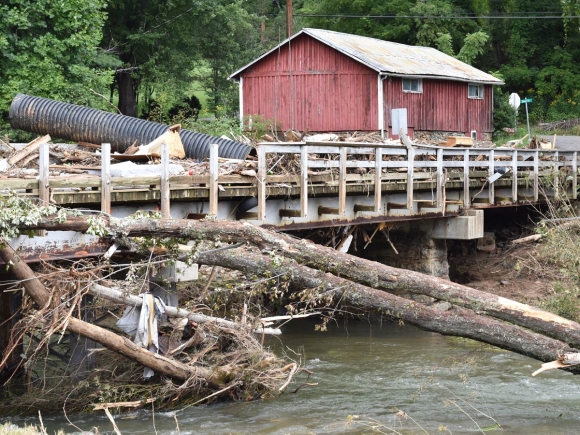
(83,124)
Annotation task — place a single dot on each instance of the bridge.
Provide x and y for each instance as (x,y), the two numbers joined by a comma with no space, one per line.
(322,184)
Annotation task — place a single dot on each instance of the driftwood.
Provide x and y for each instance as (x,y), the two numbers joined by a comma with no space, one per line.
(564,361)
(532,238)
(40,295)
(31,148)
(475,314)
(117,295)
(358,270)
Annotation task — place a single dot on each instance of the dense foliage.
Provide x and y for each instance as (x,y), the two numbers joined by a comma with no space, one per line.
(151,57)
(533,45)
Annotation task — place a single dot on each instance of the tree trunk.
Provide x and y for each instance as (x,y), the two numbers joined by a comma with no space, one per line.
(455,321)
(115,295)
(124,346)
(360,270)
(127,88)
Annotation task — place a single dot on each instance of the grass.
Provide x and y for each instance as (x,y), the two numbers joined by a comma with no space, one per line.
(12,429)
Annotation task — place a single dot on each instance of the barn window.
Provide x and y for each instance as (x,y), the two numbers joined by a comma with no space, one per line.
(475,91)
(413,85)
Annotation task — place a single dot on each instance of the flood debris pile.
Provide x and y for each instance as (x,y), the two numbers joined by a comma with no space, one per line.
(223,360)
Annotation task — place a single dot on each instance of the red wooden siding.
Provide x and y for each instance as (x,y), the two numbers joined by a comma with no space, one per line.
(443,105)
(310,86)
(307,85)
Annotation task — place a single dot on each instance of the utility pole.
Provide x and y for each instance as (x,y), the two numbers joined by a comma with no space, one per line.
(289,17)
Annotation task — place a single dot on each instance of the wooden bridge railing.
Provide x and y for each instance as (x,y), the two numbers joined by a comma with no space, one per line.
(381,163)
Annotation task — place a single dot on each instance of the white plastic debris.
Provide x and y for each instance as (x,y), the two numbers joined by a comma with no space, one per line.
(130,169)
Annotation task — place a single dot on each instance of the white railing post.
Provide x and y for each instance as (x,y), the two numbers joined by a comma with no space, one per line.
(165,190)
(410,176)
(515,176)
(106,178)
(491,188)
(262,170)
(536,176)
(342,182)
(213,179)
(466,198)
(439,183)
(575,174)
(378,177)
(43,170)
(304,180)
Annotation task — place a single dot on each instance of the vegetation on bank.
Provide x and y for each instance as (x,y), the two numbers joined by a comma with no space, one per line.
(12,429)
(139,56)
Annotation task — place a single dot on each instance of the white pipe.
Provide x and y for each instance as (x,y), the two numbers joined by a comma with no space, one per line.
(241,89)
(381,103)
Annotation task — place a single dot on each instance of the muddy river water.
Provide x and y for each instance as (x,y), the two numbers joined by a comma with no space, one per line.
(395,377)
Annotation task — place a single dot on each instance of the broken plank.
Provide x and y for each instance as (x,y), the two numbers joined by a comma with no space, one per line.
(28,149)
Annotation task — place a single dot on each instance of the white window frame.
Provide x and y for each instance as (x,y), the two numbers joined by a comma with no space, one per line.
(410,80)
(480,91)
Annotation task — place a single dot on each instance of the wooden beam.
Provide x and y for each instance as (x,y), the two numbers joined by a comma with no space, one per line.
(284,212)
(106,178)
(556,163)
(515,176)
(575,175)
(536,175)
(378,175)
(363,207)
(342,182)
(262,170)
(213,179)
(466,197)
(410,168)
(304,181)
(327,210)
(28,149)
(165,190)
(440,175)
(491,188)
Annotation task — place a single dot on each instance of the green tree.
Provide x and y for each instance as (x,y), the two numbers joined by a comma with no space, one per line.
(161,43)
(345,16)
(49,49)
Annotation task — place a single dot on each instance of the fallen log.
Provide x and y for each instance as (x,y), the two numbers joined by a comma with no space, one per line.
(116,295)
(40,295)
(360,270)
(532,238)
(456,321)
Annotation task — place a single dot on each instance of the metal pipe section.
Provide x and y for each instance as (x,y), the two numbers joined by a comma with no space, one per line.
(82,124)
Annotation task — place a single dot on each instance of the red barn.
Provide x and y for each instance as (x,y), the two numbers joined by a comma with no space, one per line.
(320,81)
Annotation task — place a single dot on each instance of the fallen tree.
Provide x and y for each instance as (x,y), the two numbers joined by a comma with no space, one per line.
(318,277)
(455,321)
(359,270)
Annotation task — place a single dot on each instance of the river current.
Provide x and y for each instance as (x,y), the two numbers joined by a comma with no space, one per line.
(394,378)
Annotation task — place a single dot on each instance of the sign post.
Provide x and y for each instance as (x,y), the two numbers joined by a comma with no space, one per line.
(515,103)
(526,101)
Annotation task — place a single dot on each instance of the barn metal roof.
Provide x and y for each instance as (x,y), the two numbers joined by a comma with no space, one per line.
(392,58)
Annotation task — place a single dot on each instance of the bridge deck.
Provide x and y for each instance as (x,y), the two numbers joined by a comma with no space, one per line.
(334,184)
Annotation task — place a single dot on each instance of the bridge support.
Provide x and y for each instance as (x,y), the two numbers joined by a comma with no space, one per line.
(422,245)
(417,250)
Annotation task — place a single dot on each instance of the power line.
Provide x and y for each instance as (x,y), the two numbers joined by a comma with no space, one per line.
(446,17)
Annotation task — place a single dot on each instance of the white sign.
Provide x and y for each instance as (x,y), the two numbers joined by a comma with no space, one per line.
(399,121)
(515,100)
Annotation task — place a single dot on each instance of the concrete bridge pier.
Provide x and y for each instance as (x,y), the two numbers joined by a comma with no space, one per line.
(422,245)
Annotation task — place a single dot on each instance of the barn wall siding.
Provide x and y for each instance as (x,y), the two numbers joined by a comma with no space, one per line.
(310,86)
(442,106)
